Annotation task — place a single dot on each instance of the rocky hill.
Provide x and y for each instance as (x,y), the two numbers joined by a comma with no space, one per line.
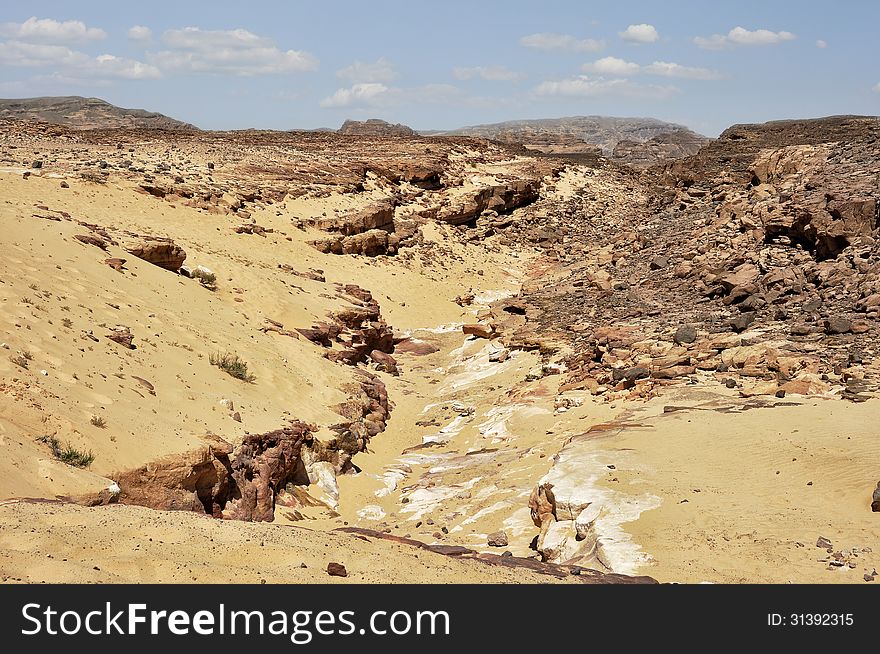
(77,112)
(374,127)
(582,134)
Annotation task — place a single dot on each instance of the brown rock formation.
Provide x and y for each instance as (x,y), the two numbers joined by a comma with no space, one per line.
(373,127)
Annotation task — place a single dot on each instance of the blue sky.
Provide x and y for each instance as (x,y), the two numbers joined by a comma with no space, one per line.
(444,64)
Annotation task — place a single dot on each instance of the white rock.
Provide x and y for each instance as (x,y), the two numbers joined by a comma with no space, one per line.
(583,524)
(114,488)
(227,404)
(556,539)
(322,474)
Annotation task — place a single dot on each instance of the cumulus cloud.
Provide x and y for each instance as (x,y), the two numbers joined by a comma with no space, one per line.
(821,44)
(48,30)
(739,36)
(376,95)
(369,93)
(622,68)
(488,73)
(140,33)
(641,33)
(380,70)
(584,86)
(233,52)
(612,66)
(72,64)
(551,41)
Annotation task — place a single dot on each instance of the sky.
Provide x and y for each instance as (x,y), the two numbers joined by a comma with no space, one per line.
(448,63)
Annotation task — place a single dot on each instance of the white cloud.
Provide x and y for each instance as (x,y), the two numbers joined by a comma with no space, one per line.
(72,64)
(48,30)
(550,41)
(376,95)
(821,44)
(584,86)
(641,33)
(612,66)
(669,69)
(233,52)
(140,33)
(380,70)
(877,87)
(489,73)
(741,36)
(621,68)
(370,94)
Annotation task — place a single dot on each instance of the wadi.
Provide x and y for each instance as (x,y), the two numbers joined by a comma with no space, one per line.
(587,350)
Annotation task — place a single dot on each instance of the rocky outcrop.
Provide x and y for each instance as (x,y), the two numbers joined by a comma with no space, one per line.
(261,465)
(767,235)
(373,127)
(604,132)
(237,482)
(162,252)
(86,113)
(379,215)
(356,332)
(674,144)
(367,411)
(198,480)
(500,198)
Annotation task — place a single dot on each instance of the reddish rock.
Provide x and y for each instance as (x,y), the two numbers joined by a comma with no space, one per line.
(336,570)
(415,347)
(122,335)
(478,330)
(385,361)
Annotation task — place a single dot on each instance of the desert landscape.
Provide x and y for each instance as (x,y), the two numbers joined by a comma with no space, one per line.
(516,355)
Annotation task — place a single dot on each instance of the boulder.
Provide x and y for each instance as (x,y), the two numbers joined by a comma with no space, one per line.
(497,539)
(478,330)
(162,252)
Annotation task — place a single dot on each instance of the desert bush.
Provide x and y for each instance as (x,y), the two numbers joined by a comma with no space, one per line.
(233,365)
(68,454)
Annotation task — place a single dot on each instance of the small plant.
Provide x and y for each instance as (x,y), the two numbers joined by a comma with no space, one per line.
(27,355)
(232,365)
(98,421)
(68,454)
(205,277)
(33,287)
(19,360)
(26,300)
(67,322)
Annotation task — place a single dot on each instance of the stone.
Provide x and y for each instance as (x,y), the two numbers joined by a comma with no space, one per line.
(336,570)
(823,543)
(161,252)
(742,322)
(875,499)
(497,539)
(631,374)
(838,325)
(685,334)
(477,329)
(122,335)
(659,262)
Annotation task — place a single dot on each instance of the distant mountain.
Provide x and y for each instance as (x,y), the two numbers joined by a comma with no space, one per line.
(374,127)
(583,134)
(86,113)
